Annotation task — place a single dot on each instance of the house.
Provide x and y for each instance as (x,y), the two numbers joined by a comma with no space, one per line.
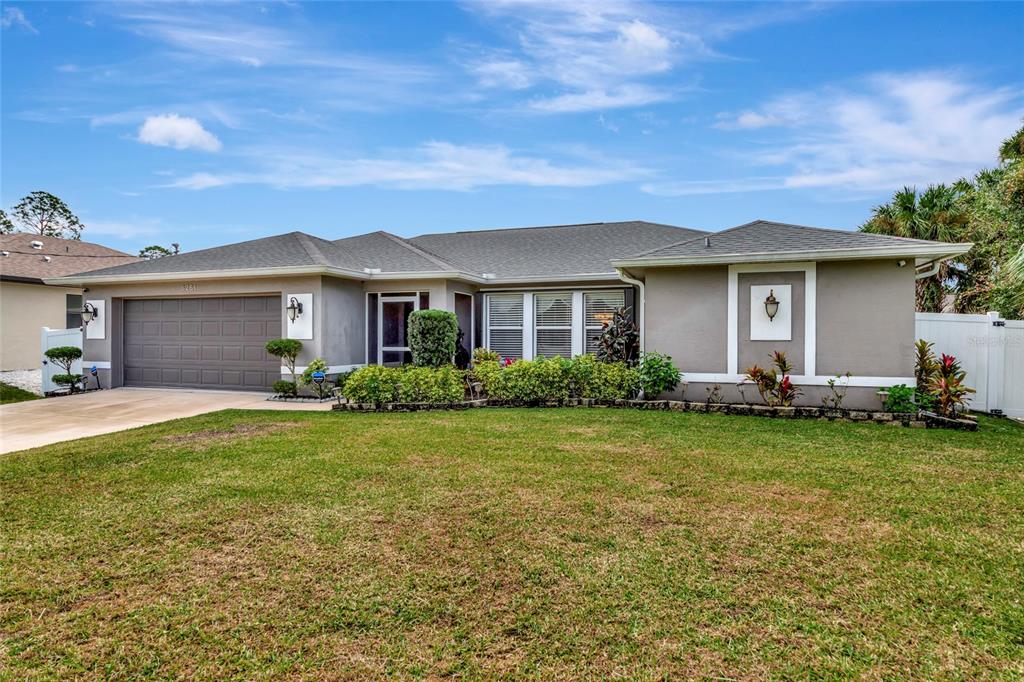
(200,319)
(28,304)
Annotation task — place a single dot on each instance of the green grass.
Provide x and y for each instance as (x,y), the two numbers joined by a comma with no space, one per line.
(13,394)
(544,544)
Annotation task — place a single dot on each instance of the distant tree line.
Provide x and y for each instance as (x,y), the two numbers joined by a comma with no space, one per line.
(987,210)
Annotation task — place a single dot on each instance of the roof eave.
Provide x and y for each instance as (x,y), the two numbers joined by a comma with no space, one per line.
(922,254)
(239,273)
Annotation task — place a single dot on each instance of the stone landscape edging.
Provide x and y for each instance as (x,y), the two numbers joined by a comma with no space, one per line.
(918,420)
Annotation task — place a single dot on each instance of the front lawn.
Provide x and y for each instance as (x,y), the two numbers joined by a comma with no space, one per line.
(13,394)
(520,543)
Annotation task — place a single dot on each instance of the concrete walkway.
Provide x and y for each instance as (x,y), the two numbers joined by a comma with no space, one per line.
(52,420)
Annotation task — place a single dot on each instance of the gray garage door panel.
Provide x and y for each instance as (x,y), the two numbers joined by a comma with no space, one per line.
(202,342)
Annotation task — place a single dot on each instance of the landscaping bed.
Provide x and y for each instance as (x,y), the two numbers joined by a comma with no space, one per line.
(913,420)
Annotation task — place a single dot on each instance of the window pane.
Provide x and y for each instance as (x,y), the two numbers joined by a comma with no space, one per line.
(552,342)
(593,340)
(74,302)
(508,343)
(553,310)
(599,305)
(505,310)
(73,321)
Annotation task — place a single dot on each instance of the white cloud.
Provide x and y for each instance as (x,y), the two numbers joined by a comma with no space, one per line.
(435,165)
(13,16)
(884,132)
(627,96)
(171,130)
(503,73)
(68,68)
(122,229)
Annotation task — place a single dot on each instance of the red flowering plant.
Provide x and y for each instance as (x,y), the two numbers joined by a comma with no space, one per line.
(946,384)
(774,385)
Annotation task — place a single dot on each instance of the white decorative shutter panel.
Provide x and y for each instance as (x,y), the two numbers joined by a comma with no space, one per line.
(599,306)
(505,324)
(553,318)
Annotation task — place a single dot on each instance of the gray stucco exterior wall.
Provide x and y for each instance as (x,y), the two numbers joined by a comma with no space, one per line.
(344,321)
(760,352)
(866,318)
(686,316)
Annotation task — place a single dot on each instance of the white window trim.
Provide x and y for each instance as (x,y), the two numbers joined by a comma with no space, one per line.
(809,268)
(575,299)
(523,328)
(583,317)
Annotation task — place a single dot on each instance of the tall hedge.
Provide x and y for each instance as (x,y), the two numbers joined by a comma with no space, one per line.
(432,335)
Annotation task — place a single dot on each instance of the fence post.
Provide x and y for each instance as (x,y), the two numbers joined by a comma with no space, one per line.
(996,349)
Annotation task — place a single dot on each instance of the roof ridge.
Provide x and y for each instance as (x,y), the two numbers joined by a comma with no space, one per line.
(418,250)
(691,239)
(306,241)
(840,231)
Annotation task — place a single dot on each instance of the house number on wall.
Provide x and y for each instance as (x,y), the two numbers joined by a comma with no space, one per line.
(190,287)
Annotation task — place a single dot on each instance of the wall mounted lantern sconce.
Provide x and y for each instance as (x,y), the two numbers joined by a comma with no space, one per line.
(89,313)
(294,309)
(771,305)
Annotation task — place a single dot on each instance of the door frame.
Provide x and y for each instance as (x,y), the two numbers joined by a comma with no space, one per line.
(383,298)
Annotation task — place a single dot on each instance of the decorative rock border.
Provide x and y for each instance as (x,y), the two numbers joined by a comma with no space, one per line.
(918,420)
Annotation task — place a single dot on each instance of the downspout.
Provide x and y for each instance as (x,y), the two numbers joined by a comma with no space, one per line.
(641,305)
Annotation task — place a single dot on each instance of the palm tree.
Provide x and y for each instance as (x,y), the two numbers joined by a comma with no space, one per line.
(937,214)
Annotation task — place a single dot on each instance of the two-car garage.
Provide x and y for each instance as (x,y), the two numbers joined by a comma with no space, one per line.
(201,342)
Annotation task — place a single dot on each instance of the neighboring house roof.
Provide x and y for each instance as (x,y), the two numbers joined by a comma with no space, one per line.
(22,262)
(764,241)
(557,252)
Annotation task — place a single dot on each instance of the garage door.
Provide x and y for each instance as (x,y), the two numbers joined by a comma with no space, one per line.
(202,342)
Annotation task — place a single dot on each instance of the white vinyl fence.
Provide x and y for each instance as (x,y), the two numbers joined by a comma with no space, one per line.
(51,338)
(991,351)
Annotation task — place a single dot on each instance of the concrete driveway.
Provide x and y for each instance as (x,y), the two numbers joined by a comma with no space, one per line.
(52,420)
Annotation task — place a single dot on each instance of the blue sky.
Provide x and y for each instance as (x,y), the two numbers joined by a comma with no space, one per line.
(211,123)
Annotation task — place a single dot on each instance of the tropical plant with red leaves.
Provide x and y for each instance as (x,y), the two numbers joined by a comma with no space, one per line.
(947,385)
(774,385)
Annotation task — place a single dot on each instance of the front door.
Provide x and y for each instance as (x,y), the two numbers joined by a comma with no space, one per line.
(393,324)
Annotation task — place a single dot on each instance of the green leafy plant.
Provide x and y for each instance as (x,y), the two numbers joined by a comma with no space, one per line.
(900,399)
(432,337)
(837,389)
(283,387)
(485,355)
(378,385)
(589,378)
(306,379)
(925,364)
(286,349)
(774,385)
(64,357)
(657,374)
(620,338)
(947,385)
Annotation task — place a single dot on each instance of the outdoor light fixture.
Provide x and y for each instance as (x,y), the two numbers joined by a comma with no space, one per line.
(771,305)
(294,309)
(89,313)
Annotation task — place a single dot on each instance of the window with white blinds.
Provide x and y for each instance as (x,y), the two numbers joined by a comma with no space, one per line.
(598,308)
(553,324)
(505,324)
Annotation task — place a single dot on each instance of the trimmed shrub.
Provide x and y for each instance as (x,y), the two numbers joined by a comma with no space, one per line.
(900,399)
(64,357)
(527,382)
(286,349)
(657,374)
(284,387)
(432,337)
(378,385)
(589,378)
(442,385)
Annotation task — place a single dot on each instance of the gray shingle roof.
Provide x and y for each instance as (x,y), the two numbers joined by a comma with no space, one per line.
(550,251)
(763,236)
(55,258)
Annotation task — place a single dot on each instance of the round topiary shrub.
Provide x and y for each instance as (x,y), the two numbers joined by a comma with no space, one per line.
(432,337)
(284,387)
